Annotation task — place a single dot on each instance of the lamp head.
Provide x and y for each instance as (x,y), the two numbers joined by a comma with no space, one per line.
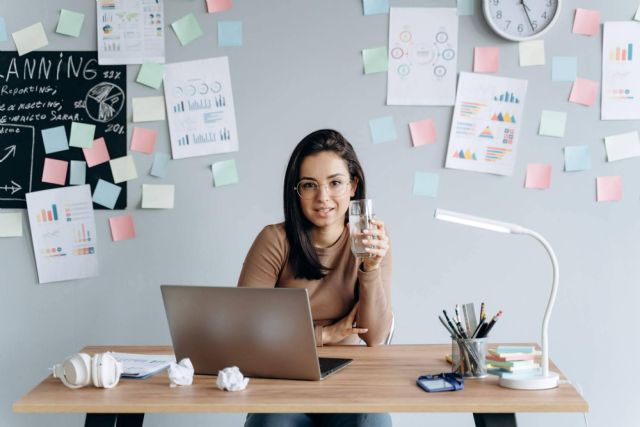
(478,222)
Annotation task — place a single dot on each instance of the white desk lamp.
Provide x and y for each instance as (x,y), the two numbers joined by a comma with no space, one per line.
(546,379)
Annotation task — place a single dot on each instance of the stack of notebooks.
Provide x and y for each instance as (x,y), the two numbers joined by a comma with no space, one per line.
(513,361)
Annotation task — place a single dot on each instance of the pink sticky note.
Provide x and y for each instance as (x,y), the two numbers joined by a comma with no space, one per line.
(55,171)
(122,227)
(586,22)
(143,140)
(584,92)
(609,188)
(97,154)
(486,60)
(538,176)
(218,5)
(423,132)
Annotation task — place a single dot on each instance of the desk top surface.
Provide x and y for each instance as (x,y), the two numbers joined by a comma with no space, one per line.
(381,379)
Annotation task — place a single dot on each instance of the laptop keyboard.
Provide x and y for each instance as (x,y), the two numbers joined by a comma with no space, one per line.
(329,365)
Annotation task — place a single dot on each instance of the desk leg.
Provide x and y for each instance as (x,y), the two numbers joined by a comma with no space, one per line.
(114,420)
(495,420)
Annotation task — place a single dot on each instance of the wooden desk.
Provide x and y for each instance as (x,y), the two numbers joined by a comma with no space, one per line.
(381,379)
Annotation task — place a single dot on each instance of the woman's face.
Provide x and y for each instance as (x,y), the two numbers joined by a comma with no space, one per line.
(326,189)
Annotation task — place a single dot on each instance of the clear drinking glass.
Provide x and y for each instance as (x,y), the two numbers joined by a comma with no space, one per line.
(360,216)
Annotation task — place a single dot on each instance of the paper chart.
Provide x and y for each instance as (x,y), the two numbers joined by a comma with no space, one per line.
(486,124)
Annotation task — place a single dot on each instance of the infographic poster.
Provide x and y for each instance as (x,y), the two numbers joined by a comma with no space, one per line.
(486,124)
(200,108)
(423,56)
(63,231)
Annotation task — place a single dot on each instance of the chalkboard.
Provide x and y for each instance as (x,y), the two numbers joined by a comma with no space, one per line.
(43,90)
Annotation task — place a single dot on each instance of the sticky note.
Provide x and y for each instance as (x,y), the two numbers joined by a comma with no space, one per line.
(584,92)
(564,68)
(486,60)
(157,196)
(55,171)
(426,184)
(70,23)
(383,129)
(160,162)
(3,30)
(229,33)
(78,174)
(538,176)
(97,154)
(143,140)
(531,53)
(123,169)
(375,60)
(218,5)
(187,29)
(586,22)
(122,227)
(552,123)
(148,109)
(151,74)
(608,188)
(423,132)
(81,135)
(54,139)
(622,146)
(11,224)
(225,173)
(577,158)
(106,194)
(466,7)
(375,7)
(30,38)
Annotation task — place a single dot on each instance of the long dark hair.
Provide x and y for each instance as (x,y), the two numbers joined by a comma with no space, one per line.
(302,254)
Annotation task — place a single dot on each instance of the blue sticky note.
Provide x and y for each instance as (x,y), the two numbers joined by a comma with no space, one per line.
(564,68)
(106,194)
(3,30)
(229,33)
(78,174)
(466,7)
(577,158)
(426,184)
(383,129)
(55,139)
(160,162)
(375,7)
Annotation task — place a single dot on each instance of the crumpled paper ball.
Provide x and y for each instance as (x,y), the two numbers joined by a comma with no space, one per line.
(181,373)
(231,379)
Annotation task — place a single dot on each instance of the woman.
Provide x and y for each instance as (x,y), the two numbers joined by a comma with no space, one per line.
(350,298)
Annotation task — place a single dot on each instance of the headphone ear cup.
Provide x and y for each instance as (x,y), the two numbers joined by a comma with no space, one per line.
(110,371)
(75,371)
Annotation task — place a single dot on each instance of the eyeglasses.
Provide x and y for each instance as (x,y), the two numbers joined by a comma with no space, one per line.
(308,189)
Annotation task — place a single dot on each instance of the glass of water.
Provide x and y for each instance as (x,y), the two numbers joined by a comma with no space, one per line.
(360,216)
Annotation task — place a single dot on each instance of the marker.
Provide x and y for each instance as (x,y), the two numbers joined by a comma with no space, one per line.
(490,325)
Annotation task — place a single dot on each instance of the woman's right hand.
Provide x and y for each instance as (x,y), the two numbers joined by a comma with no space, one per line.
(333,334)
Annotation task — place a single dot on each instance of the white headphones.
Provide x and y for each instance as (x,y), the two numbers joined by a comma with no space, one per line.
(103,370)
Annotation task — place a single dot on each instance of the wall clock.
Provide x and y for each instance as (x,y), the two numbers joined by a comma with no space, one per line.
(520,20)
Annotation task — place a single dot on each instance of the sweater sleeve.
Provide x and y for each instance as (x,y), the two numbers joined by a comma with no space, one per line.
(375,302)
(265,260)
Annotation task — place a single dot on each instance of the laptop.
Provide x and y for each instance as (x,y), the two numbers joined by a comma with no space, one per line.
(266,333)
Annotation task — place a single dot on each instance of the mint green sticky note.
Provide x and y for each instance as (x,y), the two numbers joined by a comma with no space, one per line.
(70,23)
(151,74)
(187,29)
(229,33)
(552,123)
(375,60)
(225,173)
(383,129)
(577,158)
(466,7)
(78,175)
(426,184)
(81,135)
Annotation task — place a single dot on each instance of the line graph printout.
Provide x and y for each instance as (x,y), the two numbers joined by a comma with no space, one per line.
(200,108)
(63,231)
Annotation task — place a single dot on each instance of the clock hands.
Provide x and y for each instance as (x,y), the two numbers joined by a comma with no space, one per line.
(526,8)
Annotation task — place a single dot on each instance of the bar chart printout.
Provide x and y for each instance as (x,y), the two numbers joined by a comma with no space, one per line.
(620,68)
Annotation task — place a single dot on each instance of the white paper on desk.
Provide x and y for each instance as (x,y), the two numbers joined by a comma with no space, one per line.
(423,56)
(620,71)
(142,365)
(148,109)
(130,31)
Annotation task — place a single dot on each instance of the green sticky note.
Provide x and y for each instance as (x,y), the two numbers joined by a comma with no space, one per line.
(81,135)
(151,74)
(375,60)
(426,184)
(187,29)
(466,7)
(552,123)
(225,173)
(70,23)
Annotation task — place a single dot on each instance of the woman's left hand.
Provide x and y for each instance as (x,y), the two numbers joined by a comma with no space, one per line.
(377,243)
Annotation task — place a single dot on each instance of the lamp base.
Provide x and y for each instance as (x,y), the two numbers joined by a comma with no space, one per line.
(538,382)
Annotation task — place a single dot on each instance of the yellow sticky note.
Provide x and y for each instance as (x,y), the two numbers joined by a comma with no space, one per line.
(30,38)
(123,169)
(148,109)
(157,196)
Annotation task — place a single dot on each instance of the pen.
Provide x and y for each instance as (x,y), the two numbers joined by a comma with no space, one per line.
(457,314)
(490,325)
(453,334)
(478,328)
(453,328)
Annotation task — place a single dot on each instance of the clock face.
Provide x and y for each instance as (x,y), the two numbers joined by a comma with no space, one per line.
(521,19)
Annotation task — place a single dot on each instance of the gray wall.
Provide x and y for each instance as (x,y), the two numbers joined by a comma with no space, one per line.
(299,70)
